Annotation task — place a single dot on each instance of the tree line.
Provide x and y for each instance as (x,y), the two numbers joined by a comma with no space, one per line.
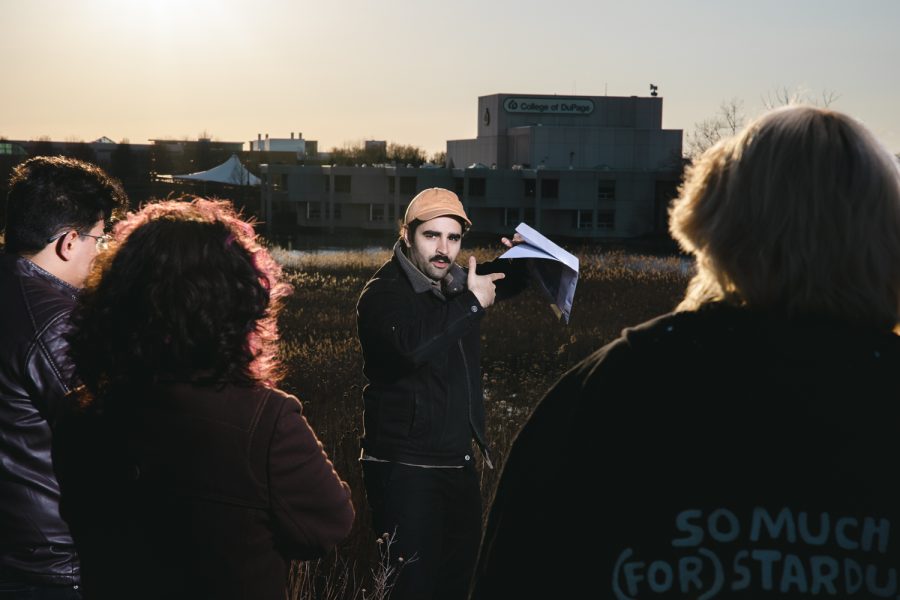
(730,118)
(360,153)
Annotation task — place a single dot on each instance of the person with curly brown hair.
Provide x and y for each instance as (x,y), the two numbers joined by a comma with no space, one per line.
(188,474)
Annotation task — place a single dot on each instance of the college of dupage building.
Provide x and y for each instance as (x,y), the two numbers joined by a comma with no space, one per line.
(571,166)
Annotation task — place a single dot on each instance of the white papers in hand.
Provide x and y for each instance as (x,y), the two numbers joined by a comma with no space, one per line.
(555,270)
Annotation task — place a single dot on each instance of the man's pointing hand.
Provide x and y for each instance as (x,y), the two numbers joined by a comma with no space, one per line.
(482,285)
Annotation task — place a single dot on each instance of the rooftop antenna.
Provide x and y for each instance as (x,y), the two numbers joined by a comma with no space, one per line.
(653,90)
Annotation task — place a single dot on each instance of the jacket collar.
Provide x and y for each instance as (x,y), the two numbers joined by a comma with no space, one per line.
(453,283)
(724,329)
(26,268)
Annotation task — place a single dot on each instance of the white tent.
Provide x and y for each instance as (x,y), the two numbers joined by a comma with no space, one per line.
(231,172)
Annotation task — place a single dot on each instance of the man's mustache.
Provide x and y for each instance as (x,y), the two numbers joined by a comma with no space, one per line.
(440,258)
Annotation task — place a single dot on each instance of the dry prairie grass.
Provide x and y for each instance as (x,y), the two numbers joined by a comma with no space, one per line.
(524,351)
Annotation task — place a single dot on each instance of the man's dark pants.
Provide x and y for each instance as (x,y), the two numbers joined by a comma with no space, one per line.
(436,514)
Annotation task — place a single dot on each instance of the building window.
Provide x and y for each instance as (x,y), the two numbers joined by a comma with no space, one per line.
(606,191)
(477,187)
(606,219)
(327,180)
(313,211)
(528,216)
(392,185)
(584,219)
(284,182)
(510,217)
(342,184)
(376,212)
(530,187)
(336,211)
(459,186)
(8,148)
(392,212)
(407,185)
(550,188)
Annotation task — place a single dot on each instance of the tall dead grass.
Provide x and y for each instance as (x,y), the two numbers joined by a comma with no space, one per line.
(524,351)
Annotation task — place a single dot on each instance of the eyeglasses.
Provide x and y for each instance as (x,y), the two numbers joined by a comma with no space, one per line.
(102,241)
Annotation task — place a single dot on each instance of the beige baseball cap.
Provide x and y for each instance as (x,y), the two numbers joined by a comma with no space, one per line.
(435,202)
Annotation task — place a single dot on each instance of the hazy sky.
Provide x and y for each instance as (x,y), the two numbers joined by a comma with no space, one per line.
(410,71)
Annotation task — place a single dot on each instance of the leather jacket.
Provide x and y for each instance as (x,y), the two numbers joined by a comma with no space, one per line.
(35,375)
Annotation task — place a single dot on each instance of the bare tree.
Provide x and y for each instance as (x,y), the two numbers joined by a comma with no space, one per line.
(732,114)
(730,118)
(727,122)
(785,96)
(358,154)
(405,154)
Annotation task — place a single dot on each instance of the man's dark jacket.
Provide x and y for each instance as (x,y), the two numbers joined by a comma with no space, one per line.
(422,353)
(35,375)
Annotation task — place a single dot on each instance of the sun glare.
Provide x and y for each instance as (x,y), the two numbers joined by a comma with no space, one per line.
(163,19)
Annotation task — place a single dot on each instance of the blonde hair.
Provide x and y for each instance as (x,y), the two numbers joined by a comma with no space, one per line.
(798,214)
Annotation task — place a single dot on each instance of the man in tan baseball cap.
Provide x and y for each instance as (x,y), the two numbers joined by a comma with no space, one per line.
(435,202)
(434,250)
(418,320)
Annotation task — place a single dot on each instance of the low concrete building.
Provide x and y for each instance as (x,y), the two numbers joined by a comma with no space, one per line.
(562,132)
(582,167)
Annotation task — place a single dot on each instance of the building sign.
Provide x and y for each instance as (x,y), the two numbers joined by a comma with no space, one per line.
(549,106)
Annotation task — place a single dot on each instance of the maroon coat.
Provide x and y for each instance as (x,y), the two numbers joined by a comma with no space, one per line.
(197,492)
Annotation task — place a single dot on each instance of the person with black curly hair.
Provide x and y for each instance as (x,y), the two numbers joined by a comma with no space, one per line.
(188,473)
